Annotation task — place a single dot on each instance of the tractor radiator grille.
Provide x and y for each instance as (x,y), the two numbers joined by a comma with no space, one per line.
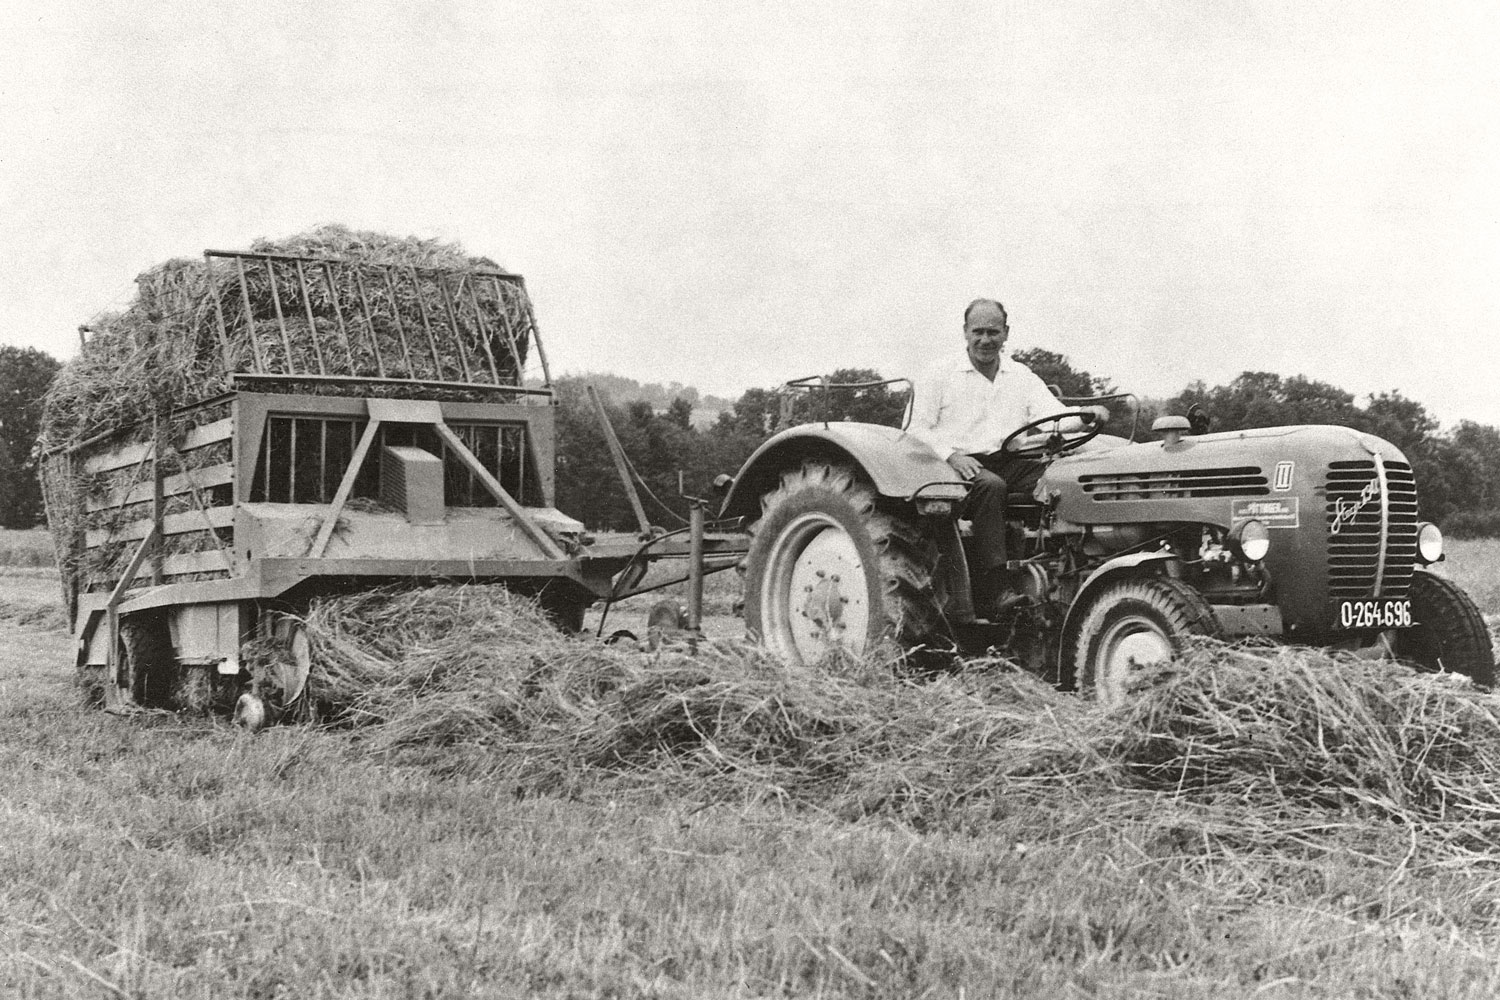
(1372,528)
(1239,481)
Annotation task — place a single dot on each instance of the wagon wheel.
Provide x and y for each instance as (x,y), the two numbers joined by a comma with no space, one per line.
(144,666)
(279,692)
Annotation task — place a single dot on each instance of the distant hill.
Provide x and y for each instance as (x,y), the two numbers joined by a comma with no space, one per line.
(621,390)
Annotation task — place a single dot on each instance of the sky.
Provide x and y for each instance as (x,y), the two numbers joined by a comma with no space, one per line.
(731,195)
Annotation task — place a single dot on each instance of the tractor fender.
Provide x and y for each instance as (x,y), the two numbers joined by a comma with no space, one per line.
(894,462)
(1118,566)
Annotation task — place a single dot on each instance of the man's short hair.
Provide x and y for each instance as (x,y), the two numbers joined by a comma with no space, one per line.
(986,302)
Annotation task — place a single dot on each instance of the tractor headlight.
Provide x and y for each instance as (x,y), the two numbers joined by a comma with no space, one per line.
(1250,540)
(1429,543)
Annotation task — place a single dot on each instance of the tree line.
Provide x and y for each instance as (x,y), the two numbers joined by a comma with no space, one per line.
(1457,471)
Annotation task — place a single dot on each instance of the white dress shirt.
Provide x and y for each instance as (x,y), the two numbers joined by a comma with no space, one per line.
(959,410)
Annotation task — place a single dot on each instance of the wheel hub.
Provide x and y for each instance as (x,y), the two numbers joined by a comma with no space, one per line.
(1128,649)
(824,606)
(818,598)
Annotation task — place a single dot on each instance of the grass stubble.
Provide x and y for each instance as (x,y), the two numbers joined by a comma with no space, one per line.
(490,809)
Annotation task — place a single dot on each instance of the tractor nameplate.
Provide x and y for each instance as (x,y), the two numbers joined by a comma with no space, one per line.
(1281,512)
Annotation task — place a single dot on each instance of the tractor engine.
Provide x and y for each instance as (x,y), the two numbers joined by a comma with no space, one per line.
(1331,515)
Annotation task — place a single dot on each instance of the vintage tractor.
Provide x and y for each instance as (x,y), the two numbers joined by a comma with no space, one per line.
(1301,534)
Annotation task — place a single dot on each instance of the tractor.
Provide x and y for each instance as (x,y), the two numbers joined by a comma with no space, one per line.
(1299,534)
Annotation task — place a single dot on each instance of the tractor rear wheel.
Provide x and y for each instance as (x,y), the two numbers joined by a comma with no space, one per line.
(1132,627)
(828,571)
(1450,634)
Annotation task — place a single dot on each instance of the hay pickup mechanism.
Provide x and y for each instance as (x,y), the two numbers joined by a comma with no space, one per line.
(366,424)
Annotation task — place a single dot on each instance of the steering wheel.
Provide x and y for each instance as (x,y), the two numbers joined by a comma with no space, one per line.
(1032,441)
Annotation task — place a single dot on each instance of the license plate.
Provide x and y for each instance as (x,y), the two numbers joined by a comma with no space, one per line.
(1373,613)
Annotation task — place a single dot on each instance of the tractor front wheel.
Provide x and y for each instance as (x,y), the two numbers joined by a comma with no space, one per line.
(1450,633)
(828,571)
(1131,627)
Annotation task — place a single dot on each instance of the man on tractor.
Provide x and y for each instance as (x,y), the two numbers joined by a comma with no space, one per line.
(964,410)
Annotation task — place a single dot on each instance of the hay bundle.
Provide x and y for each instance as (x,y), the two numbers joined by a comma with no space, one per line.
(1286,730)
(194,322)
(477,669)
(1252,748)
(167,349)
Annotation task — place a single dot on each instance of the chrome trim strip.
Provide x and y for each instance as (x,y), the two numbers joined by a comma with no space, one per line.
(1385,522)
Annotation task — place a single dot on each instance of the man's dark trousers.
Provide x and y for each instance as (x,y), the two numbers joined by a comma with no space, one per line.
(989,493)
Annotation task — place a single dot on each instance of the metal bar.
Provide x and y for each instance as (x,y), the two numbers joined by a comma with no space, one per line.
(529,527)
(338,312)
(484,331)
(470,431)
(437,359)
(220,328)
(621,466)
(260,362)
(251,255)
(510,339)
(695,567)
(364,304)
(286,341)
(390,285)
(346,486)
(1385,523)
(312,326)
(709,569)
(158,500)
(521,459)
(532,331)
(291,486)
(113,607)
(245,380)
(520,482)
(270,439)
(322,461)
(458,339)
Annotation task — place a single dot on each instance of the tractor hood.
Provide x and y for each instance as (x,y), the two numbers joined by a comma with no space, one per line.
(1211,478)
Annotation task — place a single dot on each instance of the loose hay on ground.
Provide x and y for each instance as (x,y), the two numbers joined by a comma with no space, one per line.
(1249,749)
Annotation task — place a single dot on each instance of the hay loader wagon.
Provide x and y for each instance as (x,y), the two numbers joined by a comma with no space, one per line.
(371,428)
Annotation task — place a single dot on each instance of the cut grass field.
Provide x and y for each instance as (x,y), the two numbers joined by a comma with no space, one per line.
(25,548)
(680,831)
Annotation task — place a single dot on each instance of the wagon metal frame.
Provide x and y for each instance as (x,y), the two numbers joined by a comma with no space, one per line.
(343,456)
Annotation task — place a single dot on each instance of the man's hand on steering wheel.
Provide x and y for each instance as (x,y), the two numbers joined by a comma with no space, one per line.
(1031,441)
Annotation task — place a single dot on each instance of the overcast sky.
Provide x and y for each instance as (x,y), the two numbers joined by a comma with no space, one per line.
(734,194)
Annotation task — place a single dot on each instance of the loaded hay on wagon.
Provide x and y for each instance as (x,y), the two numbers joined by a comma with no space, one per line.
(324,413)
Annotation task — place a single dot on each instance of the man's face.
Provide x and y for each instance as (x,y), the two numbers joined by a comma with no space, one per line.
(985,332)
